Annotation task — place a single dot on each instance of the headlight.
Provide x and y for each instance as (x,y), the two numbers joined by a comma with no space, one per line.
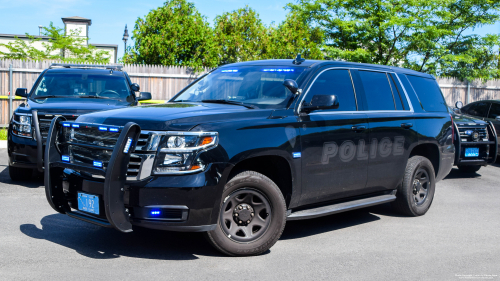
(22,125)
(179,152)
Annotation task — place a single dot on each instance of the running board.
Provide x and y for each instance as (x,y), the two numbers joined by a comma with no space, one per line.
(340,207)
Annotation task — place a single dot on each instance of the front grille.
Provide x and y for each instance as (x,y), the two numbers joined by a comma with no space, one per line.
(44,121)
(88,143)
(466,134)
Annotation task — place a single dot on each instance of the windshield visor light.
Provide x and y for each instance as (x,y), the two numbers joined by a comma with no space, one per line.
(278,70)
(229,70)
(21,125)
(180,151)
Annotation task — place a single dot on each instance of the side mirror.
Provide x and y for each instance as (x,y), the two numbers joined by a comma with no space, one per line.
(291,85)
(135,87)
(497,118)
(319,102)
(22,92)
(144,96)
(459,104)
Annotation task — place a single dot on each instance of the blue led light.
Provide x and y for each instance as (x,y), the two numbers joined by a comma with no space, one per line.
(278,70)
(114,130)
(98,164)
(155,213)
(468,132)
(103,129)
(65,158)
(66,125)
(297,155)
(127,145)
(229,70)
(75,126)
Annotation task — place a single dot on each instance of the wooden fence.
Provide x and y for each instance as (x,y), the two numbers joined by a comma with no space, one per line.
(165,81)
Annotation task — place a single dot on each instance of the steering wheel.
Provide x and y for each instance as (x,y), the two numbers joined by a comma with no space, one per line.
(108,94)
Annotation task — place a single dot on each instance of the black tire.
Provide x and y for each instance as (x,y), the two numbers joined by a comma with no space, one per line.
(414,196)
(257,196)
(469,168)
(20,174)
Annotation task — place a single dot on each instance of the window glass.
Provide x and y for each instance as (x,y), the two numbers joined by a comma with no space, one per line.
(479,109)
(494,110)
(377,90)
(428,93)
(334,82)
(261,86)
(399,93)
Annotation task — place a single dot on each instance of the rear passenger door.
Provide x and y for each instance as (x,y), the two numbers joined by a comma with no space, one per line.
(391,127)
(334,158)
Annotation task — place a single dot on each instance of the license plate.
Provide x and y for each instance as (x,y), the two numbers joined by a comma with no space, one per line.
(472,152)
(88,203)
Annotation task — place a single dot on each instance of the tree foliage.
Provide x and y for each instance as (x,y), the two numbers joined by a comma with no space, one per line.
(173,34)
(60,46)
(424,35)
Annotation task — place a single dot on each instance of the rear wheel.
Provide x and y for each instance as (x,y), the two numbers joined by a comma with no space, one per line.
(468,168)
(252,216)
(415,194)
(20,174)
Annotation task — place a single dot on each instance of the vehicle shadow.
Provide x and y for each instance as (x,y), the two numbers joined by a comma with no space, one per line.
(33,180)
(456,174)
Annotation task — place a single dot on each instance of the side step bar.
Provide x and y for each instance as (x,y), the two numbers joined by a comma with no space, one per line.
(341,207)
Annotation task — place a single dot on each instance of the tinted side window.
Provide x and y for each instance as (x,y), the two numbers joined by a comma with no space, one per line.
(479,109)
(428,93)
(335,82)
(399,93)
(494,110)
(377,90)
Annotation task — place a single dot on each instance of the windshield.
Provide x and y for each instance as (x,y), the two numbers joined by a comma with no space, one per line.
(260,86)
(81,86)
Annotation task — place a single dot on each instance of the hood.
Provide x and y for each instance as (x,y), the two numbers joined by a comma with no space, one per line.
(173,116)
(465,120)
(74,106)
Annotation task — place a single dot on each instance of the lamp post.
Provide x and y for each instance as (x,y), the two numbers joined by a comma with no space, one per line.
(125,38)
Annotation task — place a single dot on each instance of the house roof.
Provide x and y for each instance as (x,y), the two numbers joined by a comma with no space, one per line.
(77,19)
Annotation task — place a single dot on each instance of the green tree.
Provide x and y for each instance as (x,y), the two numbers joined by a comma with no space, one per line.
(424,35)
(240,36)
(173,34)
(295,36)
(63,47)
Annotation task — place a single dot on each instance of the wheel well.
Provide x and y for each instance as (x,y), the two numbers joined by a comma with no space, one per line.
(274,167)
(429,151)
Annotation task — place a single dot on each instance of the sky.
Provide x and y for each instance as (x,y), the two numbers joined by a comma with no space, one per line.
(109,17)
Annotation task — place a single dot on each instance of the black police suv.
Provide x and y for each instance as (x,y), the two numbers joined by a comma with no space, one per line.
(476,141)
(67,90)
(251,145)
(487,110)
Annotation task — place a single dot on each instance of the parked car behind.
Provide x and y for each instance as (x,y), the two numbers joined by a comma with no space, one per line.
(67,90)
(487,110)
(475,142)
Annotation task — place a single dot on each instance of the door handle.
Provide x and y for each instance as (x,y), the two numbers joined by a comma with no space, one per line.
(406,125)
(358,128)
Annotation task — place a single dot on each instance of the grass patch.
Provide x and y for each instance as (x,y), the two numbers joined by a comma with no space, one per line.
(3,134)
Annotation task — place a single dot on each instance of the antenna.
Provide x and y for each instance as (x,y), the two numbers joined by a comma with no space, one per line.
(298,59)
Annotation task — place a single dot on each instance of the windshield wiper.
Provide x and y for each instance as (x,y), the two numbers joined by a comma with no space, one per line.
(91,97)
(49,96)
(231,102)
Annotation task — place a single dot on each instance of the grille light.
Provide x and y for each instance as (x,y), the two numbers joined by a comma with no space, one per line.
(75,126)
(155,213)
(297,155)
(98,164)
(65,158)
(103,129)
(127,145)
(114,130)
(66,125)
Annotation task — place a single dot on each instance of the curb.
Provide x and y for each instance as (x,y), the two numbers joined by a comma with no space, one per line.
(3,144)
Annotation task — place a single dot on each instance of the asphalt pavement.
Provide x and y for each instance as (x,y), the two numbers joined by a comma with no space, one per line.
(459,238)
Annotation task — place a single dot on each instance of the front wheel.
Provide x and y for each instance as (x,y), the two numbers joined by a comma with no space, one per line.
(468,168)
(252,216)
(414,196)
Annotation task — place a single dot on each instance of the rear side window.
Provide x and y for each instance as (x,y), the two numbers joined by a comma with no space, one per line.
(428,93)
(334,82)
(494,111)
(479,109)
(377,90)
(398,92)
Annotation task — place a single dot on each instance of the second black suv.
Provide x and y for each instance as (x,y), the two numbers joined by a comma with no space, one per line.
(251,145)
(67,90)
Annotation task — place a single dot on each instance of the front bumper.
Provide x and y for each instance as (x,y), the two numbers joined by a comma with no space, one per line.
(188,202)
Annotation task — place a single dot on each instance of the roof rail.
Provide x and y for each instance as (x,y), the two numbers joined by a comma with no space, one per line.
(85,66)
